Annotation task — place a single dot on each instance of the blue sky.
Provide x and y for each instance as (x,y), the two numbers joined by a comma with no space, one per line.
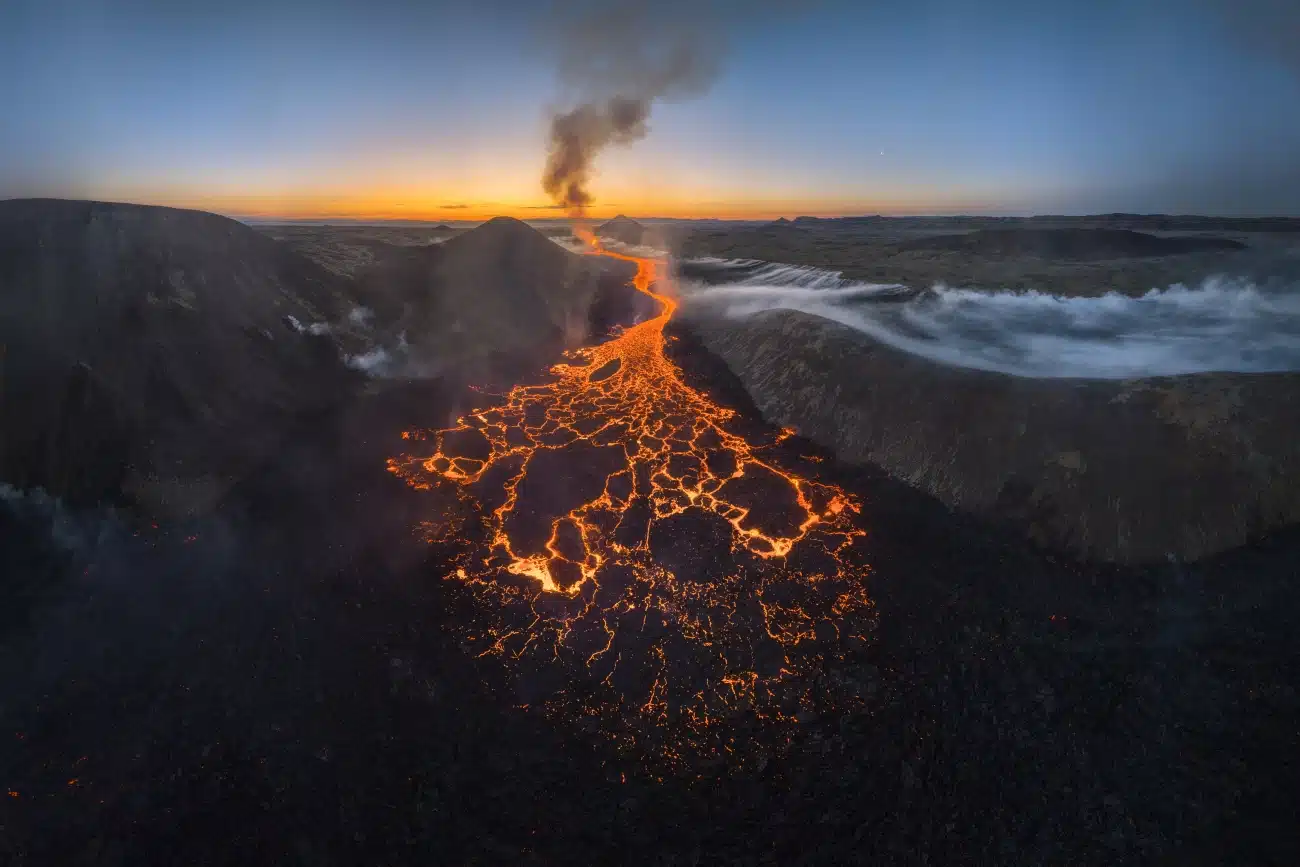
(400,108)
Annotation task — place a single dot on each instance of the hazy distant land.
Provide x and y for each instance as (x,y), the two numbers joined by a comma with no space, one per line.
(902,250)
(914,251)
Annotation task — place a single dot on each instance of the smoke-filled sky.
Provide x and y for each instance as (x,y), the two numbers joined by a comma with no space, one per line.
(398,108)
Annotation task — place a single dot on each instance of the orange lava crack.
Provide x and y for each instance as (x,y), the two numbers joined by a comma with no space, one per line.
(596,576)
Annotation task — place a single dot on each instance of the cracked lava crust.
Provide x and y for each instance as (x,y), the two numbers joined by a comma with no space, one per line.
(642,571)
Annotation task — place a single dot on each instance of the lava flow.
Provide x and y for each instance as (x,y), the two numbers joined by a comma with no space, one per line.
(636,561)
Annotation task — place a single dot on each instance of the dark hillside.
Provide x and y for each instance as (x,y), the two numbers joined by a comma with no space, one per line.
(501,299)
(149,354)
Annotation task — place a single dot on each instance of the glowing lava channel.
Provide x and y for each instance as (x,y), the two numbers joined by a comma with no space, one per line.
(597,577)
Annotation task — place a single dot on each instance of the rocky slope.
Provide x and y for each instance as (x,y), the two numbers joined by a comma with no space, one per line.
(1128,471)
(291,667)
(496,301)
(150,354)
(623,229)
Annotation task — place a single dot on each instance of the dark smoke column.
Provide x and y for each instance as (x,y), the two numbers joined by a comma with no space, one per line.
(577,136)
(618,58)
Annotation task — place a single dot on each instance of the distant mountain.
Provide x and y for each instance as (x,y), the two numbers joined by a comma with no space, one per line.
(150,355)
(501,298)
(1069,243)
(623,229)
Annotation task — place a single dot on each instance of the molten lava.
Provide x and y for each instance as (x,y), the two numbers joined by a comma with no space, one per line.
(695,582)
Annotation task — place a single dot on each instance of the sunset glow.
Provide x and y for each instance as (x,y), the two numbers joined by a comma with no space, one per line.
(427,207)
(374,117)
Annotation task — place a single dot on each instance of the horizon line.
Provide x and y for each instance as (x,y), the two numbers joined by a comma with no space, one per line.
(956,215)
(412,222)
(789,216)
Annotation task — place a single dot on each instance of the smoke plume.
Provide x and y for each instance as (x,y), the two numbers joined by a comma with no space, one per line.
(618,59)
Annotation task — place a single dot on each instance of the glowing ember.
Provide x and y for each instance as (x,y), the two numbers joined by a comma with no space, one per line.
(619,528)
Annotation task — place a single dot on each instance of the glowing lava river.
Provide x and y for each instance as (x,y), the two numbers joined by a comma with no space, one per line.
(641,569)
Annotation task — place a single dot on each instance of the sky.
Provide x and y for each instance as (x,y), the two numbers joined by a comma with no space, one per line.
(395,109)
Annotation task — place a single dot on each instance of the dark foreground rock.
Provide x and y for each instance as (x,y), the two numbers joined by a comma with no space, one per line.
(150,355)
(279,684)
(283,681)
(1126,471)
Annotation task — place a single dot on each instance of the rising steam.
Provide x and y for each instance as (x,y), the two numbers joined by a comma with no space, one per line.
(1222,325)
(618,59)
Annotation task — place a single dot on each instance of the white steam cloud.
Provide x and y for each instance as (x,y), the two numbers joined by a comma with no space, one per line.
(1222,325)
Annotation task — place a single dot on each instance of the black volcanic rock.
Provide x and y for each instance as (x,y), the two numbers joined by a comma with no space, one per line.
(499,299)
(1069,243)
(623,229)
(1128,471)
(149,354)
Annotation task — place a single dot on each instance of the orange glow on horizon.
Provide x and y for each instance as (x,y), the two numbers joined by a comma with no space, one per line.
(291,207)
